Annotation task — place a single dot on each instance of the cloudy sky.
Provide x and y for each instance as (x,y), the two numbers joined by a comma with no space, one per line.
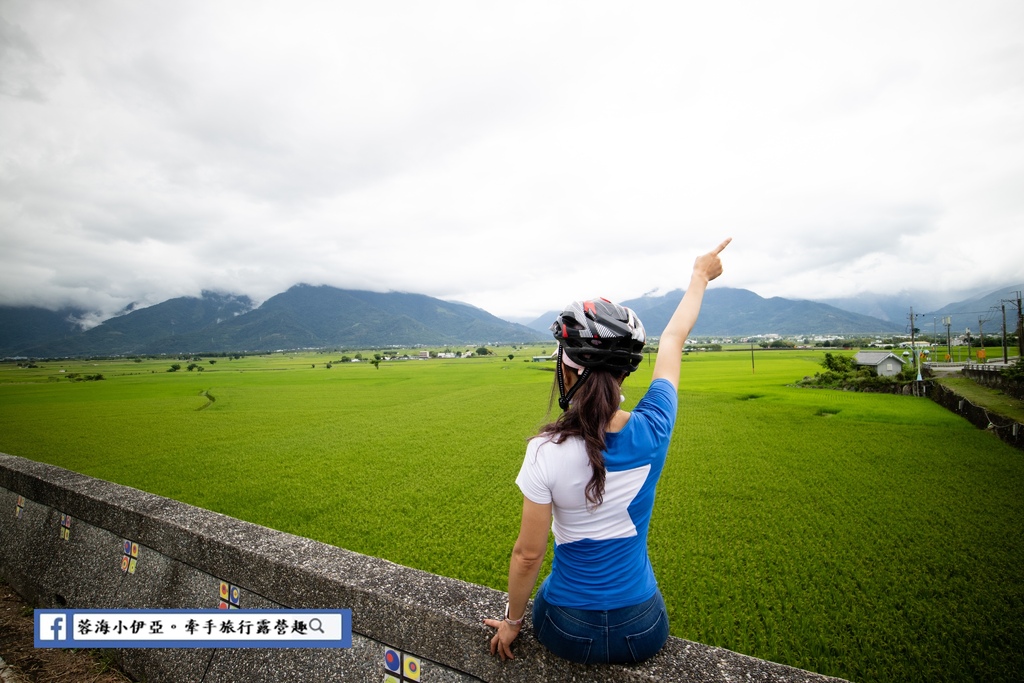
(511,155)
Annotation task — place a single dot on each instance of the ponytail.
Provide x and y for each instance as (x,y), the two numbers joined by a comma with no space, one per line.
(594,402)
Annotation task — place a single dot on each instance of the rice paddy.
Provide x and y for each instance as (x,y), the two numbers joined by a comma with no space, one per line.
(872,537)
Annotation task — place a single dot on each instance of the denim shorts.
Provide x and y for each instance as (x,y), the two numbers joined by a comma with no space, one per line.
(617,636)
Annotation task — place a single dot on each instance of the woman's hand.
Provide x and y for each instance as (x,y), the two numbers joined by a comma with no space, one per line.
(501,643)
(709,266)
(705,269)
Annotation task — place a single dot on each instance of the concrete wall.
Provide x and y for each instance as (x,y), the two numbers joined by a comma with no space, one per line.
(187,552)
(992,376)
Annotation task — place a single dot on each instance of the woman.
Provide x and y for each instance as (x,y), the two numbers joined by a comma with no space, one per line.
(591,476)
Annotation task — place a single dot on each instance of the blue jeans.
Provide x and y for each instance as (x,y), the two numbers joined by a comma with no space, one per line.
(627,634)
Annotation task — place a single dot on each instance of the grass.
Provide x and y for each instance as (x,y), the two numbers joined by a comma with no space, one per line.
(872,537)
(991,399)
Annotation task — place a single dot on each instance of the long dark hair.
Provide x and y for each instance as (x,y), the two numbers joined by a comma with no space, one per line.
(593,406)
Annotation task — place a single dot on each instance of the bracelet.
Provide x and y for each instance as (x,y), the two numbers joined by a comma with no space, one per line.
(513,622)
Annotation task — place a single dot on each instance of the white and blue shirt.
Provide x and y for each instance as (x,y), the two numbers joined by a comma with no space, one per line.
(601,553)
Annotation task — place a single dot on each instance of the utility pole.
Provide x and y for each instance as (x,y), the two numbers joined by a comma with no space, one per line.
(982,355)
(947,321)
(1019,325)
(1020,329)
(1006,358)
(913,344)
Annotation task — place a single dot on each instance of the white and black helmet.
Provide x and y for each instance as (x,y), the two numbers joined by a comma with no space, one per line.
(600,335)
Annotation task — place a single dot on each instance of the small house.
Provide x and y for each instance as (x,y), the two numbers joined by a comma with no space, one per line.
(886,364)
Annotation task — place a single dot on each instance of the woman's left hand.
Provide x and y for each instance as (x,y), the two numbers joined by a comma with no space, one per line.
(501,643)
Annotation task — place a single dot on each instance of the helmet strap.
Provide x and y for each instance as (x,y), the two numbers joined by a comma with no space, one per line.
(563,396)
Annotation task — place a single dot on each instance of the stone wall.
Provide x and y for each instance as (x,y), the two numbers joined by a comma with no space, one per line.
(62,540)
(1006,429)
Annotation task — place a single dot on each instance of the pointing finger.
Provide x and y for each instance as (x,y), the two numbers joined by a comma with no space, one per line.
(718,250)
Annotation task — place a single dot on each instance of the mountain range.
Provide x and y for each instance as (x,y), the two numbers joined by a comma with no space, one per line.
(307,316)
(729,312)
(981,313)
(304,316)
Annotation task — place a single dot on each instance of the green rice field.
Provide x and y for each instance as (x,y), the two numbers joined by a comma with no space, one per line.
(871,537)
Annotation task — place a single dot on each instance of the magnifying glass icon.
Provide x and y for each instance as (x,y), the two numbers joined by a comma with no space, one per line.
(316,625)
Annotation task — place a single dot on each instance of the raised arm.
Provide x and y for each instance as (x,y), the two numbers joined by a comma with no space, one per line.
(670,347)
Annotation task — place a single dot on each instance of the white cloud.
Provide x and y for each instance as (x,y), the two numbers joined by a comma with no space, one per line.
(513,157)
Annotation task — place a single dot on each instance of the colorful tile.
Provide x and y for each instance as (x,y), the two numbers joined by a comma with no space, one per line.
(130,559)
(410,668)
(230,596)
(400,667)
(392,660)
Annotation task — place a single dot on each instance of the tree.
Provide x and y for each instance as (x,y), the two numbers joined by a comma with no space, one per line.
(908,373)
(837,363)
(483,351)
(1015,372)
(510,356)
(174,368)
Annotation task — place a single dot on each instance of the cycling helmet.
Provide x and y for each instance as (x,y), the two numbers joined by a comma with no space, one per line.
(597,335)
(601,335)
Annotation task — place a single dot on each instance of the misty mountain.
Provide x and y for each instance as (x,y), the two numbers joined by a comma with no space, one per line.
(302,317)
(891,308)
(739,312)
(142,328)
(308,316)
(311,317)
(895,308)
(967,314)
(22,327)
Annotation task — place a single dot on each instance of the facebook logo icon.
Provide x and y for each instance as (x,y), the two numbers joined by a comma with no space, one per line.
(52,626)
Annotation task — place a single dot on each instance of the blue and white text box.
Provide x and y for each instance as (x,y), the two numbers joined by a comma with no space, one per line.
(193,628)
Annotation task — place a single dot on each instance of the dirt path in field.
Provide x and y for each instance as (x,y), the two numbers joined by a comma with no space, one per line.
(21,662)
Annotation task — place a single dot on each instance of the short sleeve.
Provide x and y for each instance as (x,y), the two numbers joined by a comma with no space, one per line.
(659,407)
(533,479)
